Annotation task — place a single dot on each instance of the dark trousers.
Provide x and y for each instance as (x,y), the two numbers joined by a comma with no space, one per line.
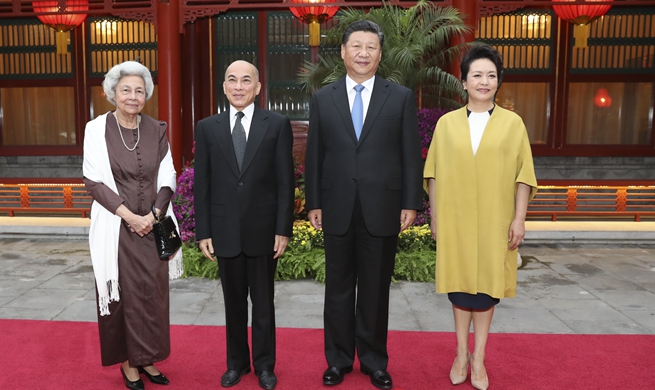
(358,270)
(239,276)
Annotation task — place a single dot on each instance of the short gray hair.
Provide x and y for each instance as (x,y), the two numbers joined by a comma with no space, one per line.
(127,68)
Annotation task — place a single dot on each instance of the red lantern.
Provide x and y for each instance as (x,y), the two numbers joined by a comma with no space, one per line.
(61,21)
(581,15)
(313,15)
(602,98)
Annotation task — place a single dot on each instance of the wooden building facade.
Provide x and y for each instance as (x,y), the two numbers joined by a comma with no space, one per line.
(584,107)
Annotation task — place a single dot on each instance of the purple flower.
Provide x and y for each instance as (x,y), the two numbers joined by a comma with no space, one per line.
(183,205)
(427,121)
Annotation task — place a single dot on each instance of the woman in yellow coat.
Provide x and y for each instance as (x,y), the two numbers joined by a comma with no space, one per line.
(480,177)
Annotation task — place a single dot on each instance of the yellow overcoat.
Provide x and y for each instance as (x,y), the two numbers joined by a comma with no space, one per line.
(475,201)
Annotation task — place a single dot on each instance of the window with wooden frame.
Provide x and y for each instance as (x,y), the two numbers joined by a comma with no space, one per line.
(525,40)
(112,41)
(235,38)
(277,43)
(610,82)
(591,101)
(37,97)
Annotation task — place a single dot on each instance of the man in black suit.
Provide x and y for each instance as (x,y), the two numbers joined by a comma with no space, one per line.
(244,193)
(363,175)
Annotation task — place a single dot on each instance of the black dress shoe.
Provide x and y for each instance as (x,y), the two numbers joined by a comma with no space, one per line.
(136,385)
(334,375)
(156,379)
(380,379)
(267,380)
(232,377)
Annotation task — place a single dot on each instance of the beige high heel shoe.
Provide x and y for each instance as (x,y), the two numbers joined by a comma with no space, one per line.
(455,377)
(481,384)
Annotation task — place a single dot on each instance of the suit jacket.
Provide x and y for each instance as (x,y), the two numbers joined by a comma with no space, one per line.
(243,211)
(384,166)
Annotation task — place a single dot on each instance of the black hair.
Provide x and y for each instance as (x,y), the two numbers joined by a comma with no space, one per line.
(363,25)
(481,51)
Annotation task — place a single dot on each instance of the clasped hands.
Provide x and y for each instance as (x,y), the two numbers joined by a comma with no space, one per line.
(139,224)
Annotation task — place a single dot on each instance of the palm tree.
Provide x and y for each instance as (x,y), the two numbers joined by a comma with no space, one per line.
(416,51)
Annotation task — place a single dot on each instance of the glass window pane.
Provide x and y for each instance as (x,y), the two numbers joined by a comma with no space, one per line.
(235,35)
(603,113)
(531,102)
(100,104)
(37,116)
(287,50)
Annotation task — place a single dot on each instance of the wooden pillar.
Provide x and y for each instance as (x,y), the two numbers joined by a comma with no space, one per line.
(469,9)
(192,79)
(169,74)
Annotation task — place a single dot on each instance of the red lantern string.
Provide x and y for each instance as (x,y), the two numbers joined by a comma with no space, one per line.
(581,15)
(313,15)
(61,21)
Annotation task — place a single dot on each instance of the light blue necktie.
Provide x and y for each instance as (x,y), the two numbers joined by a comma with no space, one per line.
(358,111)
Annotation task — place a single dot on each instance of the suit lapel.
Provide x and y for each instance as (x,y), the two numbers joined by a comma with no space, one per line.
(378,97)
(340,98)
(258,128)
(223,135)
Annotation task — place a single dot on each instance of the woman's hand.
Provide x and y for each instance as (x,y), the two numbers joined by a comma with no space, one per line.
(516,233)
(432,192)
(517,227)
(138,224)
(141,224)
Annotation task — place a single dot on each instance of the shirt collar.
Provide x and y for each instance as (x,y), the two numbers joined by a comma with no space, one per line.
(368,84)
(248,111)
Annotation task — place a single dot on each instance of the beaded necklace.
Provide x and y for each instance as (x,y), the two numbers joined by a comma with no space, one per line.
(138,137)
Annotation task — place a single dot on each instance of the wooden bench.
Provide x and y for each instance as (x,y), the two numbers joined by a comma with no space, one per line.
(65,198)
(611,201)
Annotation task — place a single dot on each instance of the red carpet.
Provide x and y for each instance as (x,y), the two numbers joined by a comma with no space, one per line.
(65,355)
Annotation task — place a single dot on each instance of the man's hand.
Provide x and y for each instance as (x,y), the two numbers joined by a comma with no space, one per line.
(281,243)
(316,218)
(433,228)
(207,248)
(407,218)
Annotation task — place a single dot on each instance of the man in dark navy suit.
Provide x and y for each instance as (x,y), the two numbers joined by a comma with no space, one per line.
(244,193)
(363,177)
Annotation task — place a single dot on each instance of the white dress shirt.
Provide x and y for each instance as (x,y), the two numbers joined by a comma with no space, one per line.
(248,112)
(366,93)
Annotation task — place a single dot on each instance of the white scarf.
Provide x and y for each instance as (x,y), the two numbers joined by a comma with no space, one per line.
(105,225)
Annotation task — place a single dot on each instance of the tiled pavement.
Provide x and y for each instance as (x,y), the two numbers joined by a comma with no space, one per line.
(566,288)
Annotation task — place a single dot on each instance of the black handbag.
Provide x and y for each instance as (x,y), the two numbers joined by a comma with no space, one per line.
(167,239)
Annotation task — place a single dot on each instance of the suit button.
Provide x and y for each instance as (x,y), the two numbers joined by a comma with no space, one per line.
(354,180)
(240,184)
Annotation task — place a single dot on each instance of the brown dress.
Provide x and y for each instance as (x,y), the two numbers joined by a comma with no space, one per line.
(138,327)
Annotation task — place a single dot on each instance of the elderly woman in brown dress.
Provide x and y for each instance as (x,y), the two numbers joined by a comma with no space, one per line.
(127,169)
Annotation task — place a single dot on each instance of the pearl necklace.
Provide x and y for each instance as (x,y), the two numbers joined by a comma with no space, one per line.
(138,137)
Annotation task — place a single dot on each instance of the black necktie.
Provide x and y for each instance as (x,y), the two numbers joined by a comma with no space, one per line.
(239,139)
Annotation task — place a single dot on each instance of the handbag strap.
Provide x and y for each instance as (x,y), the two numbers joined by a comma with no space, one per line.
(154,212)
